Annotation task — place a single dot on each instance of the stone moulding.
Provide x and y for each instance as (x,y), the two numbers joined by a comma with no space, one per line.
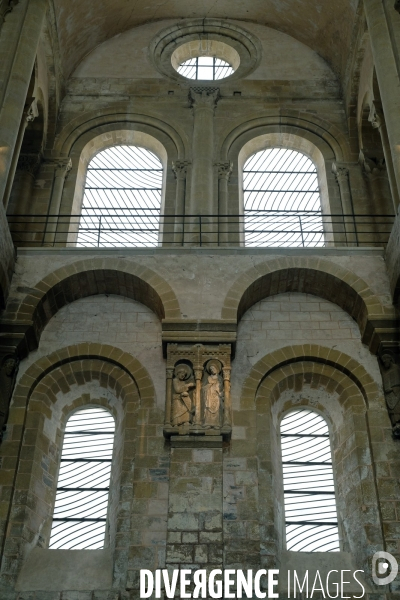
(167,41)
(198,402)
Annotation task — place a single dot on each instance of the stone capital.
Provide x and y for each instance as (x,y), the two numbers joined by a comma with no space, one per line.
(224,170)
(204,98)
(61,166)
(341,173)
(179,168)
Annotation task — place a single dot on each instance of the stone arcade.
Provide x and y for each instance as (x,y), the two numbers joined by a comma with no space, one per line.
(228,298)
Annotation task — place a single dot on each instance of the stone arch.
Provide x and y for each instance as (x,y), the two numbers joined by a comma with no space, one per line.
(81,140)
(309,275)
(328,138)
(310,381)
(35,418)
(321,141)
(90,277)
(329,358)
(78,352)
(81,129)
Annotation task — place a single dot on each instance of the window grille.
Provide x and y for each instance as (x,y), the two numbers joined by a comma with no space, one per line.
(205,67)
(309,491)
(282,205)
(122,199)
(80,511)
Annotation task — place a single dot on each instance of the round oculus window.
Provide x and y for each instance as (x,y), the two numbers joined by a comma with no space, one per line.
(206,60)
(205,67)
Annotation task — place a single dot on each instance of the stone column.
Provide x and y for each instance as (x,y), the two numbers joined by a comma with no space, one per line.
(226,371)
(15,79)
(8,372)
(387,74)
(227,227)
(342,179)
(179,168)
(377,120)
(168,403)
(202,201)
(62,167)
(30,113)
(198,374)
(375,173)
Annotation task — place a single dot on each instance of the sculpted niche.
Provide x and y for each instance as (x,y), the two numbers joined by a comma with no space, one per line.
(198,391)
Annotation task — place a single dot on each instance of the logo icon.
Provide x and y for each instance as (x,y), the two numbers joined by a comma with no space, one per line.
(384,568)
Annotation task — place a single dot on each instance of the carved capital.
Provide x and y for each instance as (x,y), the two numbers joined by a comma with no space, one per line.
(226,371)
(61,166)
(224,170)
(198,374)
(204,98)
(170,373)
(179,168)
(29,163)
(341,173)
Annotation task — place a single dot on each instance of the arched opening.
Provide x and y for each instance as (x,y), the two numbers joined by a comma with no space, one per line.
(308,486)
(282,204)
(122,199)
(81,504)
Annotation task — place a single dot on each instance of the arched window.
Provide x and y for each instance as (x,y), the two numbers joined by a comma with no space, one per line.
(282,205)
(122,199)
(308,484)
(80,511)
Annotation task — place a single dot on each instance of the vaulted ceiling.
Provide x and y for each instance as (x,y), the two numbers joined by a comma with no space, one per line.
(324,25)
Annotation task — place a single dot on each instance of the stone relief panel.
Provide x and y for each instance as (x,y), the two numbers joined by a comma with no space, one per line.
(198,398)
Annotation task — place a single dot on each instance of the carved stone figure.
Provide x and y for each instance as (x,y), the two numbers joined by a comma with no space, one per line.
(182,402)
(7,377)
(213,394)
(391,386)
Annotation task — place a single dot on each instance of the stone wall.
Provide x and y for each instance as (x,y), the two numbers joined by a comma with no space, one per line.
(7,257)
(199,503)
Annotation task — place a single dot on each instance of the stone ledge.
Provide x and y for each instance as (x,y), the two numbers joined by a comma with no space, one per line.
(191,441)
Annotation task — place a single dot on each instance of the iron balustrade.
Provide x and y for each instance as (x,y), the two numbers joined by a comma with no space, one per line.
(127,227)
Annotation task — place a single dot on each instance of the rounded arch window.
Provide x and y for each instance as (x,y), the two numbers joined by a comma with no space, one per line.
(308,485)
(122,199)
(81,505)
(282,201)
(206,60)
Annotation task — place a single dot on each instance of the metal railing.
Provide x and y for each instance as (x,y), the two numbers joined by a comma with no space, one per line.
(148,228)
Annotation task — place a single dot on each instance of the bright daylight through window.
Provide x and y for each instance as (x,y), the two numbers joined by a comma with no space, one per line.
(80,512)
(122,200)
(282,205)
(206,68)
(309,491)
